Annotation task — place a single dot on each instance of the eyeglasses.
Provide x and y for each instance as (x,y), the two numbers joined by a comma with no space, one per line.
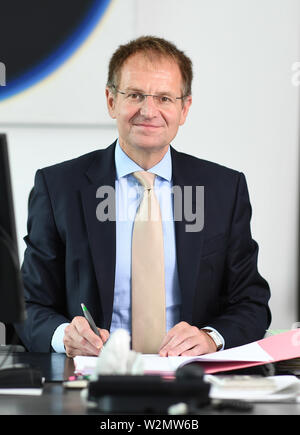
(136,98)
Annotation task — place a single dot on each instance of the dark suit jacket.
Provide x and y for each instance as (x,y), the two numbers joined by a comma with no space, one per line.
(70,255)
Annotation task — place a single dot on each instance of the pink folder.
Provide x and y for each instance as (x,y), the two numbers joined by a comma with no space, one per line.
(283,346)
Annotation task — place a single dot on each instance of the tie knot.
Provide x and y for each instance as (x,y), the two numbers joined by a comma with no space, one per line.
(145,178)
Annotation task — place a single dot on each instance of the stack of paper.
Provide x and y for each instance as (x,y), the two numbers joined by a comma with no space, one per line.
(254,389)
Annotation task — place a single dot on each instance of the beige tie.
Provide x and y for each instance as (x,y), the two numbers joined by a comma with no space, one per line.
(148,280)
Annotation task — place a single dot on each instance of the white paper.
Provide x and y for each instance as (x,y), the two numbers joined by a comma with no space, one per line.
(22,391)
(252,352)
(85,365)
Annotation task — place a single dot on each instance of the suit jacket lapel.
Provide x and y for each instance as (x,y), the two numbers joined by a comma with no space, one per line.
(188,244)
(102,234)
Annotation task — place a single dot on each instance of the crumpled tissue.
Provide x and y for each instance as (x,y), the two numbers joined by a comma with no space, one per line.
(117,358)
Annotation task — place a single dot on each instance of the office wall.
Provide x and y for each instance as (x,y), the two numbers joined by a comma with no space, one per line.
(245,112)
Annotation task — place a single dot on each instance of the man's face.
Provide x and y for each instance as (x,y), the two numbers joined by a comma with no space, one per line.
(148,125)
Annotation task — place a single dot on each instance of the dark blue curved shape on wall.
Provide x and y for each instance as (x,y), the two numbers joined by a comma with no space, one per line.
(52,60)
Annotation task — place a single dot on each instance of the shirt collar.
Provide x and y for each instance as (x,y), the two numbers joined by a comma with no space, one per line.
(125,166)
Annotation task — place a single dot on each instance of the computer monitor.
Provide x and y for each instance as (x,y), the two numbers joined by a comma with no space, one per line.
(12,305)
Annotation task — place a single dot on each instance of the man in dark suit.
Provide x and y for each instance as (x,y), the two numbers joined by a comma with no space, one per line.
(78,247)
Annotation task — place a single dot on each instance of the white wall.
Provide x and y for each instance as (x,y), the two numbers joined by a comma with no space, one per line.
(245,112)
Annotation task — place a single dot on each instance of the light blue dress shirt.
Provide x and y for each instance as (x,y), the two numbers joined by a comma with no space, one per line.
(128,196)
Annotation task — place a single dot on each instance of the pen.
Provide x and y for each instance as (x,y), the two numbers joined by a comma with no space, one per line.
(89,318)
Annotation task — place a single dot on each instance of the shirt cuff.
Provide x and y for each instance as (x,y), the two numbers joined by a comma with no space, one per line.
(57,342)
(219,335)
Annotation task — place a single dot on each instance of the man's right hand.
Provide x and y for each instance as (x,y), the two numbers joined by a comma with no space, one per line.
(79,339)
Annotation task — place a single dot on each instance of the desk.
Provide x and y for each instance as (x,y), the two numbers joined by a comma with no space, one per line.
(56,400)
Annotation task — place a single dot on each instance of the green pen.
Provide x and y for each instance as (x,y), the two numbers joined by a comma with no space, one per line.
(89,318)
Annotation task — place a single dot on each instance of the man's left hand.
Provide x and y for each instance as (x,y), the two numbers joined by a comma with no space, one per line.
(186,340)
